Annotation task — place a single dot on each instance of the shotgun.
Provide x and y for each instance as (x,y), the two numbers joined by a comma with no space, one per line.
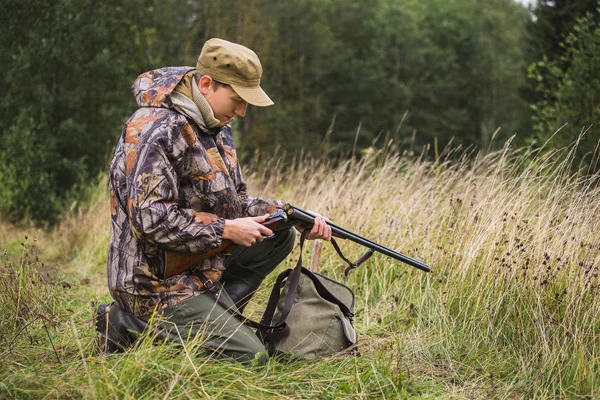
(290,216)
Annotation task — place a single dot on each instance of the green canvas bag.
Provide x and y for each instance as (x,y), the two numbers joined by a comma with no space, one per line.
(309,315)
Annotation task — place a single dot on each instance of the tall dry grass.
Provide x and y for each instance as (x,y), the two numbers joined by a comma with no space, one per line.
(513,239)
(510,309)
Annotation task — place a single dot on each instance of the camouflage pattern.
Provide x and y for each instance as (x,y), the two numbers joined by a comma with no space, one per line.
(172,185)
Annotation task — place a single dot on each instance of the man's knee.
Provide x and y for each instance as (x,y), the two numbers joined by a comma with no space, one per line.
(286,239)
(254,353)
(280,246)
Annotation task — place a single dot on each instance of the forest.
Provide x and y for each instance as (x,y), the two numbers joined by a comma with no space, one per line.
(345,75)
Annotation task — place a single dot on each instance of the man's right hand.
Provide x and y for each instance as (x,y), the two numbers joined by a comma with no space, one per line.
(246,231)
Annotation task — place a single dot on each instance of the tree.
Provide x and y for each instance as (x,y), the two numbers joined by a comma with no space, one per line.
(569,88)
(67,66)
(554,19)
(473,71)
(443,69)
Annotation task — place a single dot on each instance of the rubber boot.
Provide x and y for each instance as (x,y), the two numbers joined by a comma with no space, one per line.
(241,292)
(117,329)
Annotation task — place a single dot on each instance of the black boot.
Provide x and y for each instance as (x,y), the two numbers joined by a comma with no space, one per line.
(118,329)
(241,292)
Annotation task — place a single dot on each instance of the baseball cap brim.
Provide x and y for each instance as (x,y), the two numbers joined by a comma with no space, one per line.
(253,95)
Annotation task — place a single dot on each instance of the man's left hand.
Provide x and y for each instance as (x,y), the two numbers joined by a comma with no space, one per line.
(320,229)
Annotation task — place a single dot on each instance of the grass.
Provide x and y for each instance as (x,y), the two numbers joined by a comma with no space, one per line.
(510,310)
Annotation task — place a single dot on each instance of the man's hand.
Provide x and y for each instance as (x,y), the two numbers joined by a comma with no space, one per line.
(246,231)
(320,229)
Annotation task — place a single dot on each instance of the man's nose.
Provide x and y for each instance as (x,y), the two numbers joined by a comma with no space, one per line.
(240,109)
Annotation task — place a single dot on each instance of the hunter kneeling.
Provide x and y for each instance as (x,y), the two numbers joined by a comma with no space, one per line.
(182,219)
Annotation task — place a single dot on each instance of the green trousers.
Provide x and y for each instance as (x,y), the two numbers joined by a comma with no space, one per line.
(223,334)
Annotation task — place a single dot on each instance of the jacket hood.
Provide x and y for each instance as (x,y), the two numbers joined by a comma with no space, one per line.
(154,88)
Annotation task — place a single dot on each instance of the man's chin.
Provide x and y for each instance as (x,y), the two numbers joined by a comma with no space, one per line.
(227,121)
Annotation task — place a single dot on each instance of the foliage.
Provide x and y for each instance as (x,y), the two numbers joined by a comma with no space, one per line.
(553,21)
(473,70)
(352,69)
(569,89)
(65,76)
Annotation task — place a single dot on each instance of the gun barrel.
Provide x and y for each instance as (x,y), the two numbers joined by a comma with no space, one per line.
(345,234)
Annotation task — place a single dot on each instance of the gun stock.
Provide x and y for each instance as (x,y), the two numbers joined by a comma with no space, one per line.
(177,262)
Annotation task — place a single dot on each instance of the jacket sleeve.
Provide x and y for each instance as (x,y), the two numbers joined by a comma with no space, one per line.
(254,206)
(153,210)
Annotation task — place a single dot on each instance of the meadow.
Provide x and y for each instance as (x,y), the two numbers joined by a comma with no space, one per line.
(510,309)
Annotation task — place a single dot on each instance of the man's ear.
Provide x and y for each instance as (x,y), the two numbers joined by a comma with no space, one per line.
(205,84)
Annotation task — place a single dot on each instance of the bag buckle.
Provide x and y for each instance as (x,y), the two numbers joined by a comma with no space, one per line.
(208,284)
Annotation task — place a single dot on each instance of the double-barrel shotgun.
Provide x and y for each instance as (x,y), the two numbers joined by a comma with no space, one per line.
(285,218)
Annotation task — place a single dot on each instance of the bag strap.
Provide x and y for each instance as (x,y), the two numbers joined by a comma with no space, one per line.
(351,265)
(276,291)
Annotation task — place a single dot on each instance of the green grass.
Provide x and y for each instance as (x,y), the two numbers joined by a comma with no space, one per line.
(510,310)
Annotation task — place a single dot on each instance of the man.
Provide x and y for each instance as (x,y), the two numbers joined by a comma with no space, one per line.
(177,192)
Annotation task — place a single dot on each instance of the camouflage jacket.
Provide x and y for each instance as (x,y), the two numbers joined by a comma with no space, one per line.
(172,185)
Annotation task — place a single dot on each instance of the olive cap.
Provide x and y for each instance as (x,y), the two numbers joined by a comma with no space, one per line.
(235,65)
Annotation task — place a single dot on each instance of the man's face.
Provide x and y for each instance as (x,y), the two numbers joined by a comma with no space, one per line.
(225,102)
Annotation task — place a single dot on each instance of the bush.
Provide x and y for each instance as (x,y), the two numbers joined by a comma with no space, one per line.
(569,89)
